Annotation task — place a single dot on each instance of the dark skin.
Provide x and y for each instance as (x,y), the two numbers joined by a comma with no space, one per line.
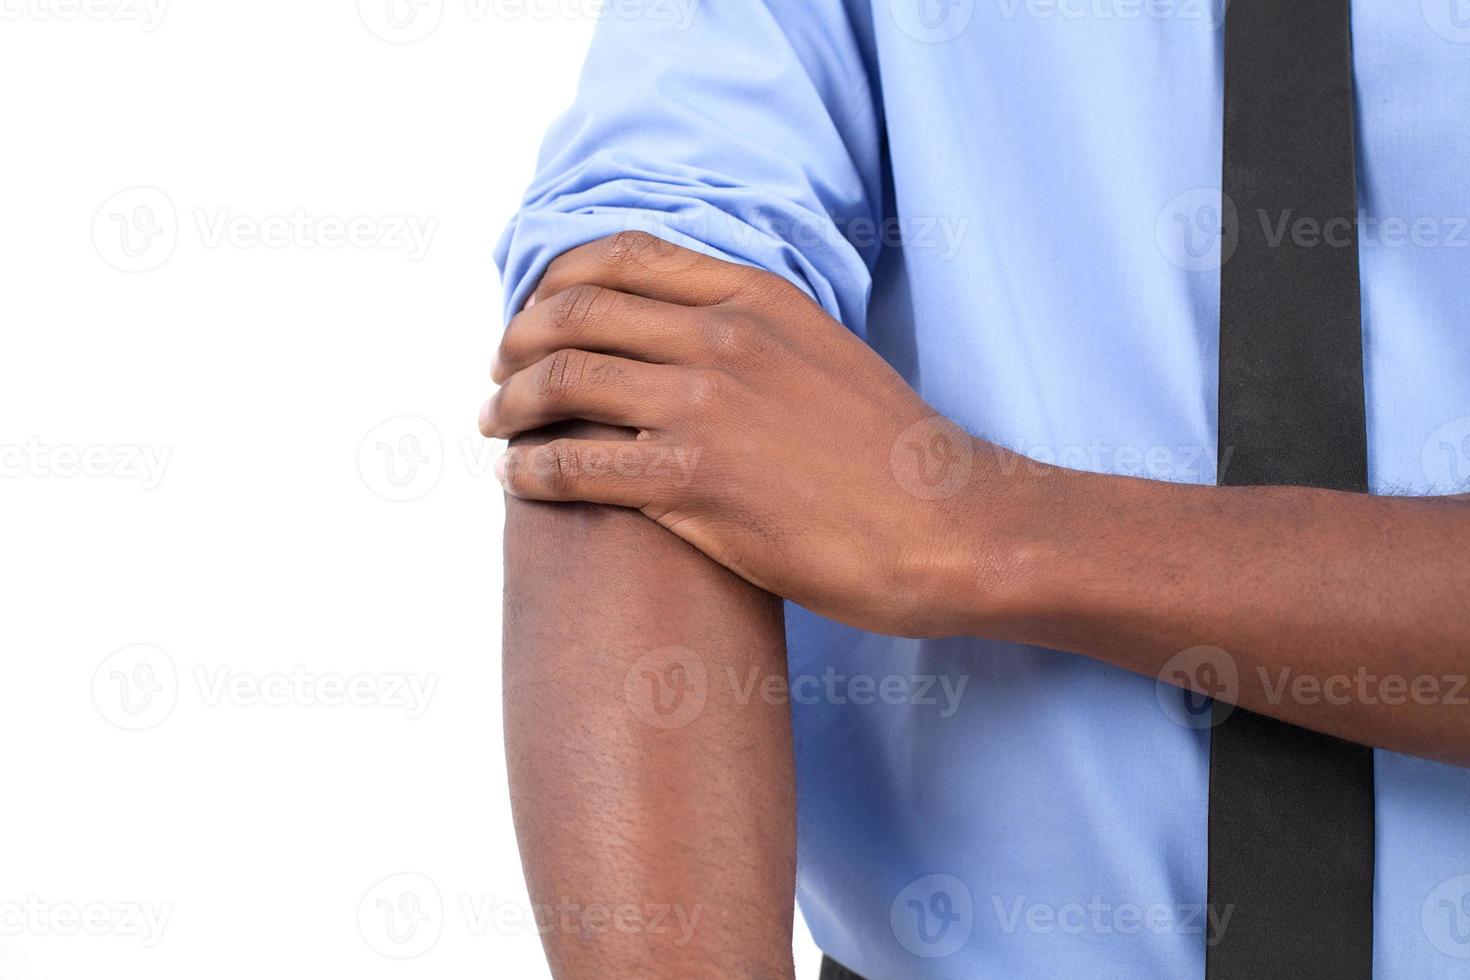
(777,443)
(682,823)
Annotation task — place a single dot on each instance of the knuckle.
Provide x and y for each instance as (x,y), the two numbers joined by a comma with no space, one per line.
(769,291)
(740,336)
(505,353)
(630,246)
(515,475)
(727,335)
(561,375)
(577,306)
(561,465)
(560,272)
(754,282)
(707,388)
(494,422)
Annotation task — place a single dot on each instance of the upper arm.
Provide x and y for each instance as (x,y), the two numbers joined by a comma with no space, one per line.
(613,804)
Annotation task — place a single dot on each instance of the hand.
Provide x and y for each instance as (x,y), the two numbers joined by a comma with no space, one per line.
(769,437)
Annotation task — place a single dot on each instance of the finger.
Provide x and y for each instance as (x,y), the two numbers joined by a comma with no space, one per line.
(640,263)
(578,384)
(598,319)
(623,474)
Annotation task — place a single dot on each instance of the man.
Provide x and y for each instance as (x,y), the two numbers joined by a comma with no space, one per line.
(927,339)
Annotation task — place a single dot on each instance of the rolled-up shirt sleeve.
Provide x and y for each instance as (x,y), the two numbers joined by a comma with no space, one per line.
(741,129)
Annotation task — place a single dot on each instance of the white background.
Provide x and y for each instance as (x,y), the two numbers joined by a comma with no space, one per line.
(251,567)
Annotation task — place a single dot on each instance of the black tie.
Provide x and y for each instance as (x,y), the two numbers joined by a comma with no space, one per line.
(1291,811)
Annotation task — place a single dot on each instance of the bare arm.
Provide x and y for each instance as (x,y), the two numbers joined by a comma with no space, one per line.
(655,812)
(1340,612)
(824,478)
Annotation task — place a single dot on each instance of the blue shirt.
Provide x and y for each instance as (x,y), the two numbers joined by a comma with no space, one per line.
(1013,202)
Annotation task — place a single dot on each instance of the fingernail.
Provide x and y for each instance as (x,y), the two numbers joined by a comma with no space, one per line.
(530,302)
(501,462)
(484,412)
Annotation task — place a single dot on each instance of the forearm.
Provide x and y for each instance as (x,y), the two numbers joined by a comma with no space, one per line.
(824,478)
(687,816)
(1340,612)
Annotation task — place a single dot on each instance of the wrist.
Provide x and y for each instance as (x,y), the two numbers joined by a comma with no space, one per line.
(1018,526)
